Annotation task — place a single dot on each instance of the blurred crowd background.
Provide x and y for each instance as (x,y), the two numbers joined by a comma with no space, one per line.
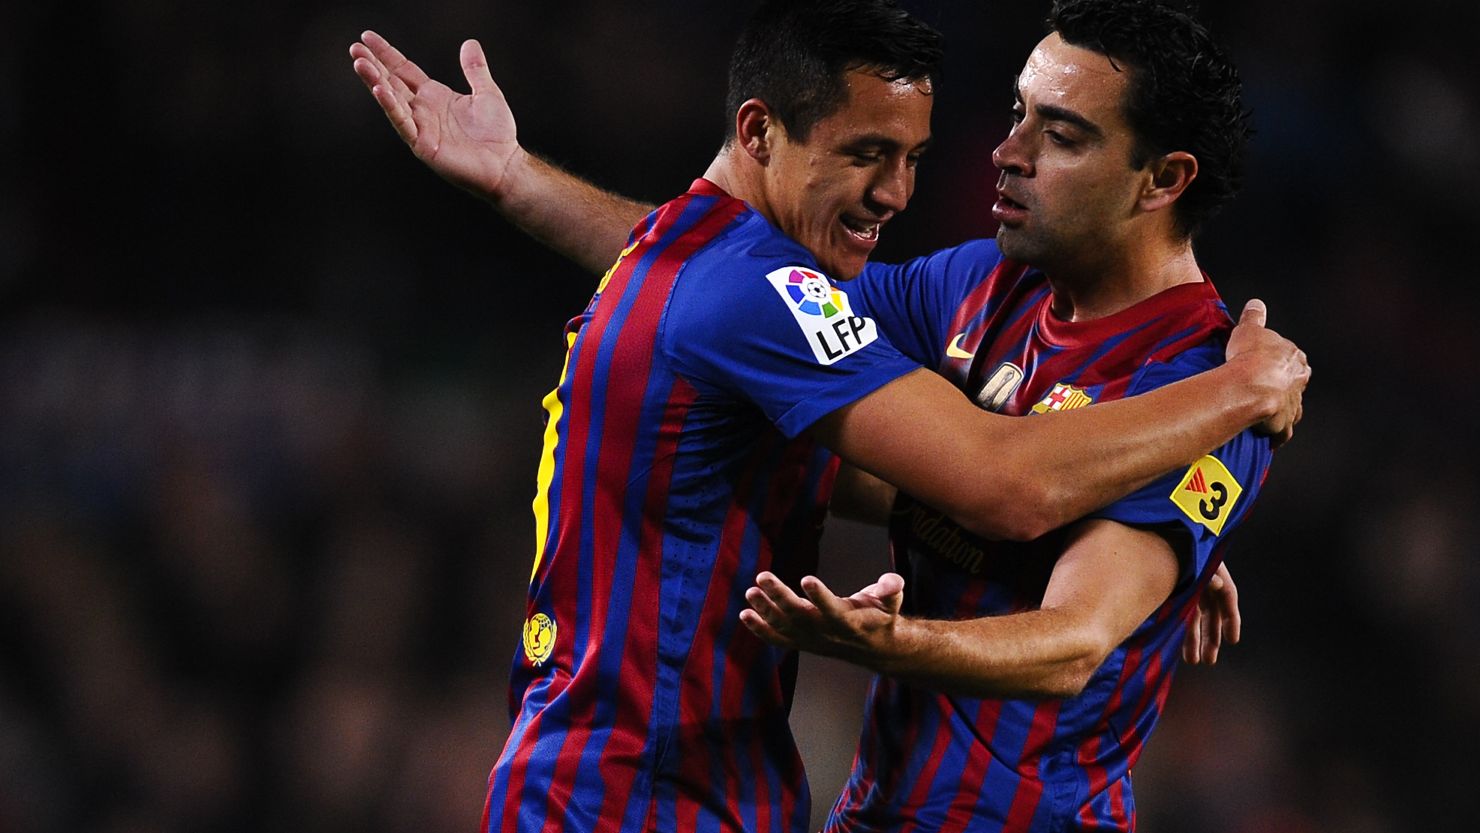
(269,406)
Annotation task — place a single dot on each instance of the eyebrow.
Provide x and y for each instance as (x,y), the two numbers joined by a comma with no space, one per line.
(879,140)
(1056,113)
(1053,112)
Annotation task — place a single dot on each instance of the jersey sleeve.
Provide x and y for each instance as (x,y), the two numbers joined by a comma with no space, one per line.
(1208,499)
(914,302)
(779,334)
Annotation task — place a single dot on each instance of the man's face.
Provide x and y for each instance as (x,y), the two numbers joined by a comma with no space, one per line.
(834,192)
(1067,190)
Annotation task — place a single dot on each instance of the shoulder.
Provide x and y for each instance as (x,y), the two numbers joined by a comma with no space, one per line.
(745,265)
(966,264)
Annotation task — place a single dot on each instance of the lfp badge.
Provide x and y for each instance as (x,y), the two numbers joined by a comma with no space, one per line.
(822,311)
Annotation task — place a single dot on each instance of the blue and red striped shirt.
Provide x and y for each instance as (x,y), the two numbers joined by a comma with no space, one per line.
(673,472)
(935,762)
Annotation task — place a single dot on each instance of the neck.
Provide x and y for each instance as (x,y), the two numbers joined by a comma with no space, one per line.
(730,171)
(1121,278)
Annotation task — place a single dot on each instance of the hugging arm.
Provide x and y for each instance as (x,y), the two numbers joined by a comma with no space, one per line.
(1015,478)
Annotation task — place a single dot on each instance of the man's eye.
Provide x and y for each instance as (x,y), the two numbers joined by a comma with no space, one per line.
(1058,138)
(862,159)
(1016,116)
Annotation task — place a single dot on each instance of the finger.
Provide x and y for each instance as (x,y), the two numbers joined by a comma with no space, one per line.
(1233,625)
(392,105)
(764,607)
(787,601)
(889,586)
(758,626)
(399,114)
(1212,626)
(1254,313)
(395,63)
(368,72)
(1192,643)
(822,597)
(475,69)
(1189,640)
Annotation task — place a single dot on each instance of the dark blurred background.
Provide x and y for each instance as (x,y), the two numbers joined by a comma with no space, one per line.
(269,406)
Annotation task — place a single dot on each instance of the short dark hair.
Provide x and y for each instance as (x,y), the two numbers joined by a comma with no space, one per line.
(793,55)
(1183,92)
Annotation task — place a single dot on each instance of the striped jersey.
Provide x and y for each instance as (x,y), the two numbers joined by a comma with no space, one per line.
(673,471)
(935,762)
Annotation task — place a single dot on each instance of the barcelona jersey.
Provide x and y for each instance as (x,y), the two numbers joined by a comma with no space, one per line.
(674,470)
(940,762)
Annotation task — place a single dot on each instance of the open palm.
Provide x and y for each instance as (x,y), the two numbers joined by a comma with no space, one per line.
(468,139)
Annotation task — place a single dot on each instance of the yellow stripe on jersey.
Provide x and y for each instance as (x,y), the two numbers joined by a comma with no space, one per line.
(554,408)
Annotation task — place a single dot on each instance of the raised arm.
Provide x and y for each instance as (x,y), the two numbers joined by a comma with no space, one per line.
(1109,578)
(1007,477)
(471,141)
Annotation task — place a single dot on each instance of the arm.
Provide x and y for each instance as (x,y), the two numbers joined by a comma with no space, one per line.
(471,141)
(859,496)
(1003,477)
(1109,578)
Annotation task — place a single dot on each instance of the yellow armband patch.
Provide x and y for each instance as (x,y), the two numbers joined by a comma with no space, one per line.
(1208,493)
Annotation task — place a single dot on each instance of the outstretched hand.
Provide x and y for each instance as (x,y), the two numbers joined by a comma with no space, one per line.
(1278,365)
(852,628)
(468,139)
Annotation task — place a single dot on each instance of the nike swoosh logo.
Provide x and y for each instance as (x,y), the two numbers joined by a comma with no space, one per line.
(954,348)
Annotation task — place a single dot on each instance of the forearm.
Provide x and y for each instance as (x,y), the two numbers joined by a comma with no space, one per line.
(1073,463)
(569,215)
(1037,654)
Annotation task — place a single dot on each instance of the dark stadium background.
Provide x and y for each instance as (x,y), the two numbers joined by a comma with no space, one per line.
(269,406)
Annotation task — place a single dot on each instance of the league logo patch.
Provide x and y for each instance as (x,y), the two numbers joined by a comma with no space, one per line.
(1063,397)
(1208,493)
(822,311)
(539,638)
(1000,387)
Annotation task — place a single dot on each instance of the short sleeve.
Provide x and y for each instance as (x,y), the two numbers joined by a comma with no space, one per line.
(779,334)
(1208,499)
(914,302)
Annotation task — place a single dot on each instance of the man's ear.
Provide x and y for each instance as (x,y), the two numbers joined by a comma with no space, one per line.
(1170,176)
(755,129)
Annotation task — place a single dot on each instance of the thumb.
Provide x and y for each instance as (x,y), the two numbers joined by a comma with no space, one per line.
(475,67)
(1254,313)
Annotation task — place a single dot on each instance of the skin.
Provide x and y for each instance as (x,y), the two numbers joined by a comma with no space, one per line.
(1104,233)
(470,140)
(834,192)
(1070,201)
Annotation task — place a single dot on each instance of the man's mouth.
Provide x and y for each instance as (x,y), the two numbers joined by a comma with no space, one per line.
(867,232)
(1010,202)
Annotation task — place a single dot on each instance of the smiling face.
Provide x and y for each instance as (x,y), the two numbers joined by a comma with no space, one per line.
(1068,192)
(834,192)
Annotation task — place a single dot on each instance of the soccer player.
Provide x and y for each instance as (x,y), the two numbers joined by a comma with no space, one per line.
(1018,682)
(686,443)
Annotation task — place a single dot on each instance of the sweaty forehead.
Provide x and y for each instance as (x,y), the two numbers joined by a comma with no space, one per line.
(1062,74)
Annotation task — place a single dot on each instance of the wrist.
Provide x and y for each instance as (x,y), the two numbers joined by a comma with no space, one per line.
(1250,394)
(890,648)
(503,188)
